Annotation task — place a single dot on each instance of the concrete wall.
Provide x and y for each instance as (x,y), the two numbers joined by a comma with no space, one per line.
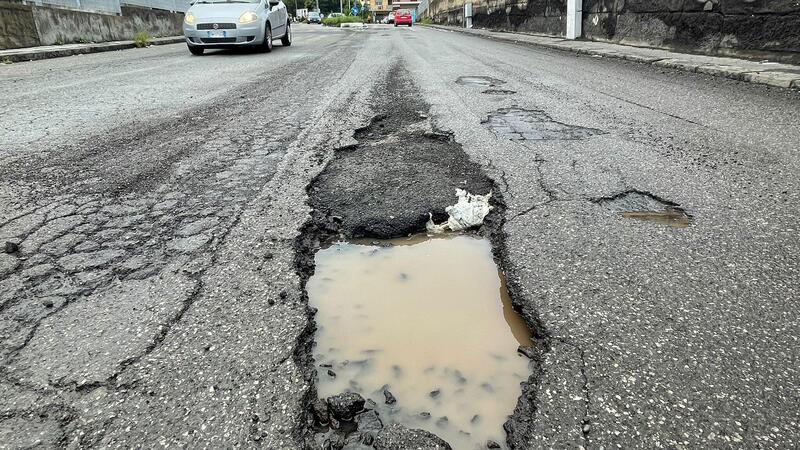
(17,26)
(533,16)
(750,28)
(26,25)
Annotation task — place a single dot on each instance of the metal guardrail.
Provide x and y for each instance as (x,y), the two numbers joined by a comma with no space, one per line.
(421,8)
(104,6)
(114,6)
(168,5)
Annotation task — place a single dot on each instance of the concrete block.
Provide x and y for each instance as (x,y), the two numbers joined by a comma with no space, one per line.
(777,79)
(678,64)
(720,70)
(640,58)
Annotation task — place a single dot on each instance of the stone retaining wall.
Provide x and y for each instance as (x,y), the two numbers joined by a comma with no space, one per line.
(29,25)
(17,26)
(747,28)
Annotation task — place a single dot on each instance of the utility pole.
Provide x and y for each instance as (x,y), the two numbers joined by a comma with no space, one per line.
(574,18)
(340,6)
(318,6)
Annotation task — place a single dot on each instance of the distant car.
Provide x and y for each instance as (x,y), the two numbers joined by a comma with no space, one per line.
(390,17)
(240,23)
(314,17)
(402,17)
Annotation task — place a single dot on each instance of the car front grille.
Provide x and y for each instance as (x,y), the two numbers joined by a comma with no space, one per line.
(220,26)
(218,40)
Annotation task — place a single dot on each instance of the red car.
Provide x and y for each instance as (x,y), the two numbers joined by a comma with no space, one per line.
(402,17)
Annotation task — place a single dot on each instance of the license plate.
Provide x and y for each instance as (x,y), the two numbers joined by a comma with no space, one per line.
(217,33)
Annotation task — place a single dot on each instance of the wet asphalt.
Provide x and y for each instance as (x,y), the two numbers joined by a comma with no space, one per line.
(157,200)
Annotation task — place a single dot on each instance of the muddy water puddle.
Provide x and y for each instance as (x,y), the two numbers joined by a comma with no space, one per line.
(674,217)
(429,321)
(479,81)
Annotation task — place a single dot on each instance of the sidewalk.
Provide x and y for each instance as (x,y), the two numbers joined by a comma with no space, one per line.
(56,51)
(769,73)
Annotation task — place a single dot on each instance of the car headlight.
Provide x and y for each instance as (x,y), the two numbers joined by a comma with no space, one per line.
(189,18)
(248,17)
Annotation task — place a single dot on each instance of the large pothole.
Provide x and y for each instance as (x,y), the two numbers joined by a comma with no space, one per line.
(520,124)
(458,386)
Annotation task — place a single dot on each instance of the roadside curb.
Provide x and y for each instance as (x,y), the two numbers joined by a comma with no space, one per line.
(57,51)
(787,76)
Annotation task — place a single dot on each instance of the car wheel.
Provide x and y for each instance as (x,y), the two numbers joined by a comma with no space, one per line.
(266,46)
(410,25)
(195,50)
(286,40)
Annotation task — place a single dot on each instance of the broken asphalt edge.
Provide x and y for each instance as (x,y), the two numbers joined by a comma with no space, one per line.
(765,77)
(53,51)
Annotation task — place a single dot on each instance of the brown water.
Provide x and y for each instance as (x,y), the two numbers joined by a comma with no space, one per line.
(430,319)
(674,217)
(647,207)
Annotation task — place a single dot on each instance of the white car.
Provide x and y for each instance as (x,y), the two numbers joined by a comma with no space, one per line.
(236,23)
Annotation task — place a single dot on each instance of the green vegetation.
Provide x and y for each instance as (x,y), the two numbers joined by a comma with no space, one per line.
(336,21)
(142,39)
(426,21)
(7,60)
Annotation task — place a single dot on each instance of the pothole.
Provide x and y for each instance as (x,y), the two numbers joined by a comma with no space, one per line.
(401,174)
(479,81)
(498,92)
(423,328)
(520,124)
(647,207)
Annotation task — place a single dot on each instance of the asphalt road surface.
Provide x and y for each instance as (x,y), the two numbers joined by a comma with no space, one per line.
(160,205)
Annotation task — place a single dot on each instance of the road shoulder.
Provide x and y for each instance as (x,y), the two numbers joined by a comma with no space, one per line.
(57,51)
(768,73)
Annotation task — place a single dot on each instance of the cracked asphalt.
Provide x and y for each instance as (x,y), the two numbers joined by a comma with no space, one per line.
(156,199)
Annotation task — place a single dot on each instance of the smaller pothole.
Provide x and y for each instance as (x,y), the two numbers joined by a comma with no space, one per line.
(647,207)
(520,124)
(479,81)
(498,92)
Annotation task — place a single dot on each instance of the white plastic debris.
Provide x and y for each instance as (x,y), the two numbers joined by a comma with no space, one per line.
(468,212)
